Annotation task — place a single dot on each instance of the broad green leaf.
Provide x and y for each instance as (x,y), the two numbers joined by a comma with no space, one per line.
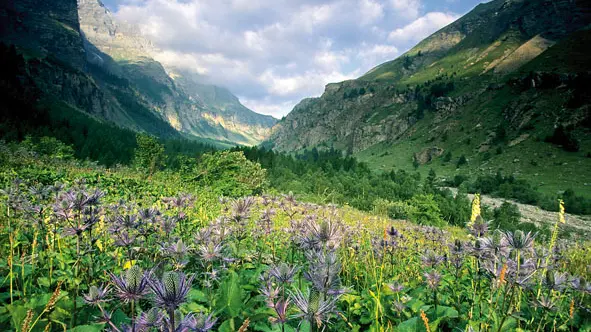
(410,325)
(229,298)
(88,328)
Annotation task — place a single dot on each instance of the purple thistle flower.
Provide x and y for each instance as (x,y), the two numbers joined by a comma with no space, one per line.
(75,230)
(431,258)
(96,295)
(393,232)
(211,251)
(241,208)
(132,285)
(519,240)
(150,319)
(313,308)
(432,279)
(202,323)
(178,253)
(283,273)
(396,287)
(170,292)
(479,228)
(323,272)
(168,224)
(280,308)
(124,239)
(270,293)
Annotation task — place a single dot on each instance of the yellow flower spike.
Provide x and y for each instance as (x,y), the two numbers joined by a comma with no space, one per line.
(561,211)
(425,320)
(99,244)
(475,208)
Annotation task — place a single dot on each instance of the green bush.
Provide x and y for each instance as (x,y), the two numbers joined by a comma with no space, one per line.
(425,211)
(229,173)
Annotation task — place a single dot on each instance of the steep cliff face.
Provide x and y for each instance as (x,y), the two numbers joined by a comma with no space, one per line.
(120,49)
(46,28)
(47,33)
(451,73)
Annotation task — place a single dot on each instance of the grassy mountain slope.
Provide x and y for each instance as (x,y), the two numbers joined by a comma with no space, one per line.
(491,87)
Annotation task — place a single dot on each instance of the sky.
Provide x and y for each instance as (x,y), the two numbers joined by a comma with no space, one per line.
(274,53)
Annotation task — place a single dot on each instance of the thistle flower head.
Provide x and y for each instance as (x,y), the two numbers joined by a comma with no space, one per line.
(178,253)
(496,244)
(393,232)
(202,323)
(270,293)
(396,287)
(433,279)
(479,227)
(131,286)
(313,308)
(323,272)
(75,230)
(519,240)
(280,307)
(241,208)
(556,281)
(150,319)
(171,291)
(431,258)
(167,224)
(96,295)
(283,273)
(210,251)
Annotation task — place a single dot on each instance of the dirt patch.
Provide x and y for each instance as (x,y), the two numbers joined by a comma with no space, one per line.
(579,225)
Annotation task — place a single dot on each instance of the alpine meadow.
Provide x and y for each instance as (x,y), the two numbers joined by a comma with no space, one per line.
(147,183)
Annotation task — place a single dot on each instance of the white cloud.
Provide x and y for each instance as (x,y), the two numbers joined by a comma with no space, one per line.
(370,11)
(370,55)
(406,8)
(274,53)
(422,27)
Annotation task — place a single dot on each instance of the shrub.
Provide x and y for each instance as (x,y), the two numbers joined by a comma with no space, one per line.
(462,161)
(229,173)
(447,157)
(564,137)
(506,217)
(149,153)
(425,211)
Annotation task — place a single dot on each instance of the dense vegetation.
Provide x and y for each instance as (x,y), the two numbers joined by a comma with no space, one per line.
(86,249)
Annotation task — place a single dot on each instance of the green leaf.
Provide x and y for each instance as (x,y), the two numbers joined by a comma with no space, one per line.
(229,299)
(410,325)
(228,326)
(88,328)
(196,295)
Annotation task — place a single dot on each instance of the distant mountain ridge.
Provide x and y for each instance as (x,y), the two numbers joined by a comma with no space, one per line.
(77,53)
(195,115)
(503,77)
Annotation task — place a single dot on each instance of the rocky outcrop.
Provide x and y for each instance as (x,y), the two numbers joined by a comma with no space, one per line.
(427,155)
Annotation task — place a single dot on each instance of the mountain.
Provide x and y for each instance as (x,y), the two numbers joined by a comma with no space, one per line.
(75,55)
(181,100)
(504,87)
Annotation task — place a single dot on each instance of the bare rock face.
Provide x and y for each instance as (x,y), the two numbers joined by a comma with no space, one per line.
(428,155)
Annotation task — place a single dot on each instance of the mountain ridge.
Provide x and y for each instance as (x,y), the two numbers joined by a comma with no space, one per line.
(133,55)
(77,53)
(477,71)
